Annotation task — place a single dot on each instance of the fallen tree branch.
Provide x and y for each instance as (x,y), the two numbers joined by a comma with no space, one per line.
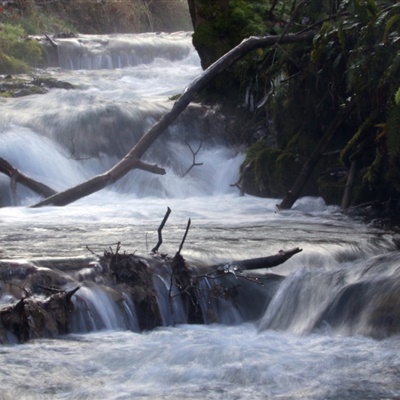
(270,261)
(17,176)
(129,162)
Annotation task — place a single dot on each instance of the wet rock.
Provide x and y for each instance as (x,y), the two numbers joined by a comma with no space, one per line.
(24,86)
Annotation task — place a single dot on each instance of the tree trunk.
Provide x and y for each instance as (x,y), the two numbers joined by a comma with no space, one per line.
(312,161)
(132,159)
(349,184)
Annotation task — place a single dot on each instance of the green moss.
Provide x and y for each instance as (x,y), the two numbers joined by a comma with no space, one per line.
(273,171)
(362,134)
(331,189)
(11,65)
(397,97)
(226,24)
(18,51)
(374,172)
(206,37)
(175,97)
(6,94)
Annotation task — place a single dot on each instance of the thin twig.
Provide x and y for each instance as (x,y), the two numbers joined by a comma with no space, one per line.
(194,153)
(159,230)
(184,237)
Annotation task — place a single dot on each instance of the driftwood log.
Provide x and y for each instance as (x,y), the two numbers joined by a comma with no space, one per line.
(267,262)
(42,307)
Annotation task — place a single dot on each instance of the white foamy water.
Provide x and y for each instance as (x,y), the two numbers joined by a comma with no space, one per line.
(198,362)
(314,340)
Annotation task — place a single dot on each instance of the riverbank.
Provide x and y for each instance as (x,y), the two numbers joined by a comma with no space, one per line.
(19,20)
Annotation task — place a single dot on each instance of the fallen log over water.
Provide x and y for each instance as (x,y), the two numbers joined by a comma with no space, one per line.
(268,262)
(43,299)
(132,160)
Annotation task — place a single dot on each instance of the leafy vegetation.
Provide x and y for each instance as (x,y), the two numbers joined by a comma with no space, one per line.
(21,18)
(17,51)
(224,24)
(299,89)
(104,16)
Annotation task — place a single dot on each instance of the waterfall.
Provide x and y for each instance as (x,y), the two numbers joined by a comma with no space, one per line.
(358,300)
(305,329)
(121,51)
(64,137)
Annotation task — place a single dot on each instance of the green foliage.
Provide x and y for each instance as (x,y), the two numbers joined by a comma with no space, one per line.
(362,134)
(105,16)
(263,159)
(355,55)
(397,97)
(226,24)
(18,51)
(393,131)
(34,21)
(10,65)
(273,170)
(373,174)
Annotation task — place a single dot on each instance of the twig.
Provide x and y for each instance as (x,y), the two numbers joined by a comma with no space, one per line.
(184,237)
(88,248)
(159,230)
(194,153)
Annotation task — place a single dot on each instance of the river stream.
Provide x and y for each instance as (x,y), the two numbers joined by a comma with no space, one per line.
(322,336)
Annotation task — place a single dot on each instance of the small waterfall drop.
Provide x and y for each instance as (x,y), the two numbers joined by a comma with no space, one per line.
(358,299)
(121,51)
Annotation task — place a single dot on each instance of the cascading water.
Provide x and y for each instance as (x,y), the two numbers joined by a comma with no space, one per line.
(310,333)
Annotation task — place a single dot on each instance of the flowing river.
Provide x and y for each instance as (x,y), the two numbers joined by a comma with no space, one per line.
(330,329)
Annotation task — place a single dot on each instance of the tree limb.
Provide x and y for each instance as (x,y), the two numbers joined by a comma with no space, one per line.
(129,162)
(17,176)
(263,262)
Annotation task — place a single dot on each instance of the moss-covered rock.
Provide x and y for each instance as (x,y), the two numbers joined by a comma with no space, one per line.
(17,51)
(271,172)
(221,25)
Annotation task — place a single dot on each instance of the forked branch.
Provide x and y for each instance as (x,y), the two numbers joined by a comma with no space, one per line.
(194,154)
